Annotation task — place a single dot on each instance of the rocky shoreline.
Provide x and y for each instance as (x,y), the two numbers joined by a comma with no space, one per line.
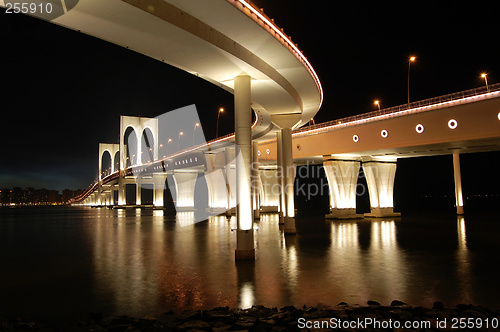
(342,317)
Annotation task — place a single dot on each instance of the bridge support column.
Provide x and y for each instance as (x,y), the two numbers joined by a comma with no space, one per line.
(270,190)
(380,180)
(287,169)
(459,201)
(256,183)
(99,193)
(122,198)
(218,191)
(230,173)
(242,124)
(158,186)
(93,199)
(101,198)
(185,183)
(288,178)
(342,176)
(138,191)
(279,175)
(107,198)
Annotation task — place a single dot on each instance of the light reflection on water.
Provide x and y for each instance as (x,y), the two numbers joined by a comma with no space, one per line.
(141,262)
(464,274)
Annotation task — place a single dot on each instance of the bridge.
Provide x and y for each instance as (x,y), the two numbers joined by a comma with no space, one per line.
(462,122)
(234,45)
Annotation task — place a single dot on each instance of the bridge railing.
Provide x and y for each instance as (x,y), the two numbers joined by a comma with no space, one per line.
(406,107)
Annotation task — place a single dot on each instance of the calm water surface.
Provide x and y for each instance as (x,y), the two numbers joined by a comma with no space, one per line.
(62,262)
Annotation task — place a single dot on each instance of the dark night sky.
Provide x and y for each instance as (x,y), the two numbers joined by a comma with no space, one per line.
(62,91)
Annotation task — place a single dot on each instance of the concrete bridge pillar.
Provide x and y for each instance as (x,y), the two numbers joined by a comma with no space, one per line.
(230,172)
(99,191)
(185,182)
(158,187)
(242,125)
(459,201)
(219,181)
(380,179)
(122,188)
(138,191)
(101,198)
(279,175)
(111,198)
(270,197)
(93,200)
(218,194)
(122,199)
(256,182)
(286,168)
(342,176)
(106,198)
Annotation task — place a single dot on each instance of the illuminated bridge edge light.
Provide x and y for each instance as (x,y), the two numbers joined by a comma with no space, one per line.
(268,23)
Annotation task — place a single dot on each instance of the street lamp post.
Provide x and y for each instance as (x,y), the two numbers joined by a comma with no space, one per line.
(377,102)
(221,110)
(169,141)
(485,76)
(412,59)
(179,140)
(194,130)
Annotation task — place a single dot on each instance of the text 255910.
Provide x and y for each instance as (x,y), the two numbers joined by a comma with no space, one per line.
(28,8)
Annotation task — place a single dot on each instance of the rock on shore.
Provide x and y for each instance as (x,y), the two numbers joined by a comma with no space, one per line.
(262,319)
